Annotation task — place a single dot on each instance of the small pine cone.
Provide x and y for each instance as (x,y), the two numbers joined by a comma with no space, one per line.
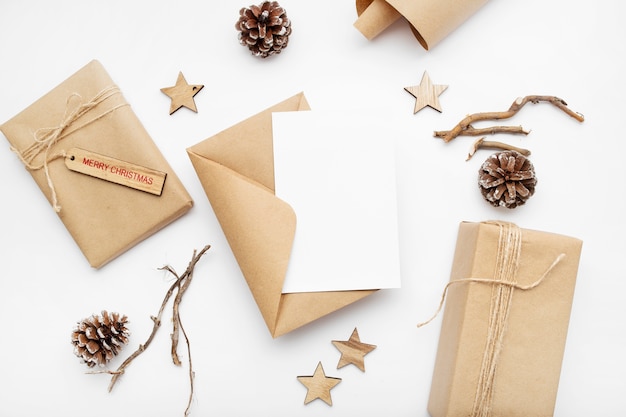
(264,29)
(507,179)
(97,339)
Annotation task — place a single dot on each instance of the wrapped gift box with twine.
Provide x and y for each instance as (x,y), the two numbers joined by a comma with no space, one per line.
(85,126)
(507,310)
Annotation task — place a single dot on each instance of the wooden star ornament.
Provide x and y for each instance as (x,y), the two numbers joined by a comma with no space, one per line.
(426,94)
(319,385)
(182,94)
(353,351)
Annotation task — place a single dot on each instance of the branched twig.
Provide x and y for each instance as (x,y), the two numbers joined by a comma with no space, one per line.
(177,326)
(175,315)
(472,131)
(191,372)
(181,284)
(488,144)
(464,127)
(142,347)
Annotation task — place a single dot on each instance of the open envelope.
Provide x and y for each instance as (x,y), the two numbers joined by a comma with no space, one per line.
(236,169)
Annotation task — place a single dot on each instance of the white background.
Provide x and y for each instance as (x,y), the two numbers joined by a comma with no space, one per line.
(571,49)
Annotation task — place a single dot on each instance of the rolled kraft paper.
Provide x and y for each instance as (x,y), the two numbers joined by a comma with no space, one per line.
(430,20)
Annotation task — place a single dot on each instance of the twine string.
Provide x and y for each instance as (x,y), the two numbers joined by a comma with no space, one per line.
(490,281)
(503,284)
(45,138)
(507,263)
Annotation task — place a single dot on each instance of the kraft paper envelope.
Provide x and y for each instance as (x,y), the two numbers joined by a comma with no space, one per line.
(236,169)
(430,20)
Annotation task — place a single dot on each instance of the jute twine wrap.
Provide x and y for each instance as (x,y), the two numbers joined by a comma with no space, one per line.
(45,138)
(504,283)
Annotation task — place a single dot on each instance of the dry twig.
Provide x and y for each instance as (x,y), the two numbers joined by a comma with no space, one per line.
(489,144)
(180,285)
(464,127)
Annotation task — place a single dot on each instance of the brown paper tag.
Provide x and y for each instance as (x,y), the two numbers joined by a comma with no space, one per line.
(116,171)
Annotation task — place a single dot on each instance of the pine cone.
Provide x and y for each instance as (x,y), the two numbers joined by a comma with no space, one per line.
(507,179)
(97,339)
(264,29)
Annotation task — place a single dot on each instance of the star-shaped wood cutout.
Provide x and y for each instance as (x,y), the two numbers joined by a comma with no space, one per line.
(319,385)
(426,94)
(353,351)
(182,94)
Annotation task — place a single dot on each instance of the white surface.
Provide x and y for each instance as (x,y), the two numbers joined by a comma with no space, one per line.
(574,50)
(337,170)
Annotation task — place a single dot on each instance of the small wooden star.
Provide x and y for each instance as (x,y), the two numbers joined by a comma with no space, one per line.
(353,351)
(426,94)
(182,94)
(319,385)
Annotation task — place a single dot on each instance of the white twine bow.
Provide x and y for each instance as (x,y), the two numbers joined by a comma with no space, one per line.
(45,138)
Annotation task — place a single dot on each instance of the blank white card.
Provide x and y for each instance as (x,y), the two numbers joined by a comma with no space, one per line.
(337,172)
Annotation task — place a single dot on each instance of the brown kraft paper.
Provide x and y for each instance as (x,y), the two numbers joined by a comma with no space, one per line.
(430,20)
(88,111)
(505,322)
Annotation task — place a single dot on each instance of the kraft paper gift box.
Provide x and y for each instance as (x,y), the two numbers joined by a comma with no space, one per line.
(88,112)
(236,169)
(505,322)
(429,20)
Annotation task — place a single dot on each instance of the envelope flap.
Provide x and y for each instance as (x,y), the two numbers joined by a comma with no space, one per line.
(298,309)
(259,228)
(247,147)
